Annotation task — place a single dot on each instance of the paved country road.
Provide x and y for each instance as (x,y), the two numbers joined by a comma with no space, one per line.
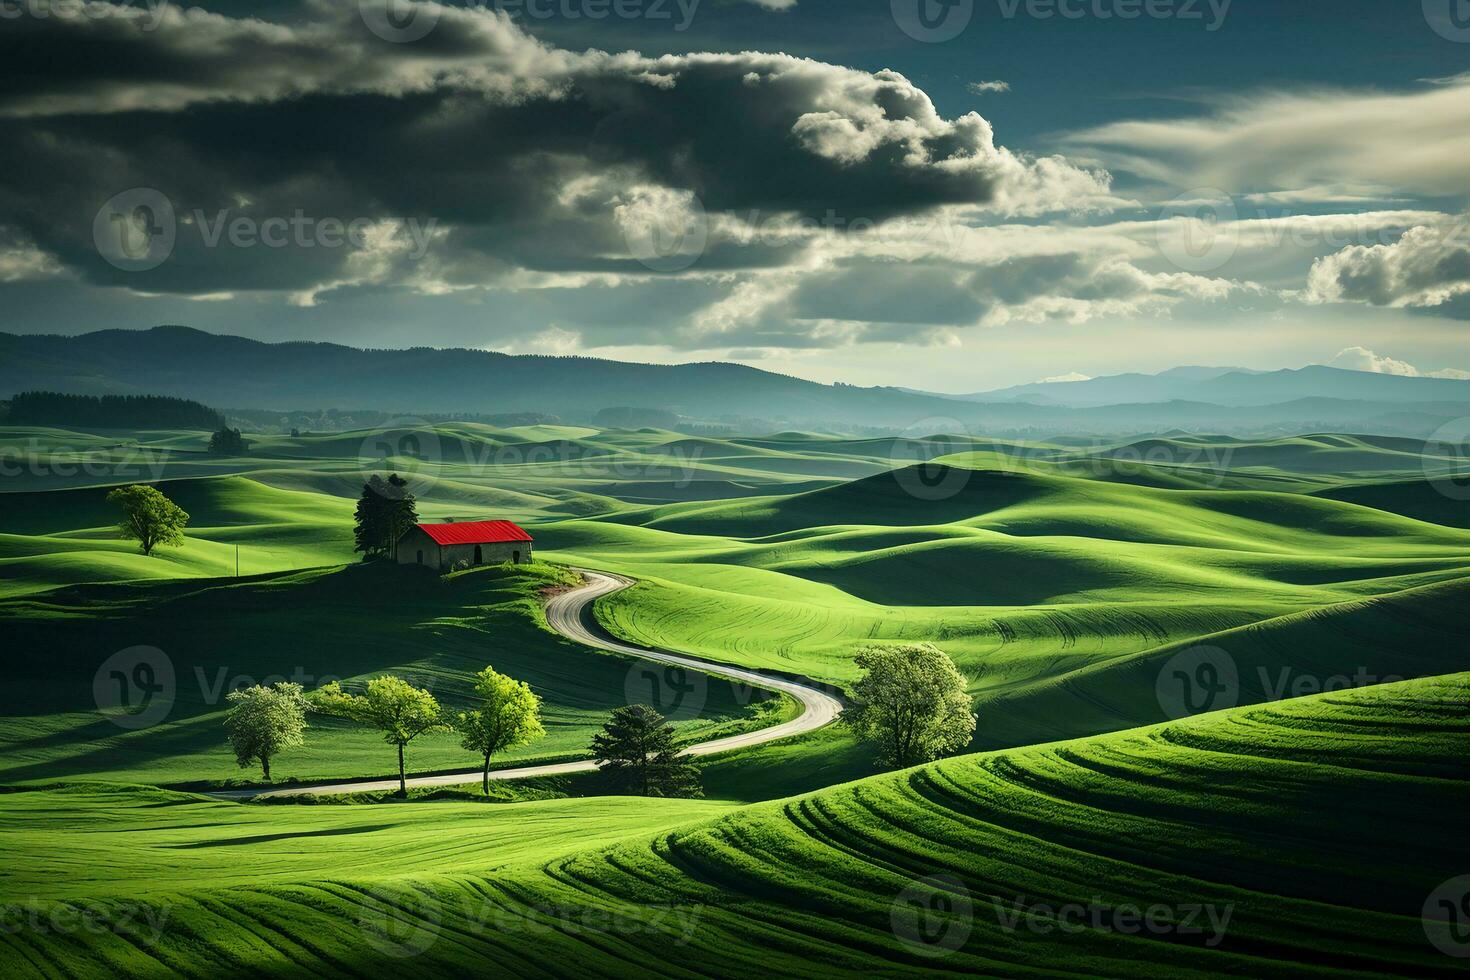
(570,615)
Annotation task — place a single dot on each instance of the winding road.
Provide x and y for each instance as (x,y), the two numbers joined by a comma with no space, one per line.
(569,613)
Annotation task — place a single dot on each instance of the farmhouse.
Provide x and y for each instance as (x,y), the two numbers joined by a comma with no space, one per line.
(468,543)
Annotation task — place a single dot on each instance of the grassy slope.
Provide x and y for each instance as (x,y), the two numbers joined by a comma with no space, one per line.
(1274,818)
(1023,575)
(1440,501)
(160,841)
(351,622)
(542,474)
(1001,538)
(1293,463)
(64,537)
(1415,633)
(1061,599)
(288,502)
(1063,569)
(1016,575)
(1020,502)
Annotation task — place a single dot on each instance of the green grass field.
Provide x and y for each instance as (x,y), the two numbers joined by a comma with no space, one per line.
(160,841)
(1069,580)
(350,623)
(1051,587)
(1248,842)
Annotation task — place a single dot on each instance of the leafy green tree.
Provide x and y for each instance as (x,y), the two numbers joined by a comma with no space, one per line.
(385,510)
(149,518)
(636,752)
(393,706)
(509,716)
(264,721)
(228,442)
(912,701)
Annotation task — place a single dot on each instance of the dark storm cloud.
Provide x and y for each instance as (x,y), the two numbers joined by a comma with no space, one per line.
(507,155)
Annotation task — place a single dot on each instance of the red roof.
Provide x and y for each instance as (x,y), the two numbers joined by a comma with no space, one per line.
(475,532)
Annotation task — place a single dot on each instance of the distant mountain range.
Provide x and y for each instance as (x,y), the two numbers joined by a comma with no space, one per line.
(1232,386)
(236,373)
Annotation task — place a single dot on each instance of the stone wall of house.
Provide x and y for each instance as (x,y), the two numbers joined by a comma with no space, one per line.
(411,544)
(490,554)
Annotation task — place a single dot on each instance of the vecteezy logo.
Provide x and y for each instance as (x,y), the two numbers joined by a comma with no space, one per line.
(136,230)
(676,692)
(399,21)
(1197,680)
(399,922)
(406,446)
(914,452)
(1450,19)
(933,916)
(1446,917)
(666,231)
(1446,459)
(134,688)
(1197,230)
(933,21)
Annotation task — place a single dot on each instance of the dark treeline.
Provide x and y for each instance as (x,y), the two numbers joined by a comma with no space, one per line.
(111,411)
(341,420)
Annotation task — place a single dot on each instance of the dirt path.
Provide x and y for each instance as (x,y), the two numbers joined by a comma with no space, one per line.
(570,615)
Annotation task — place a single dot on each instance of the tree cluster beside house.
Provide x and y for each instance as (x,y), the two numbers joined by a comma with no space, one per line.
(388,527)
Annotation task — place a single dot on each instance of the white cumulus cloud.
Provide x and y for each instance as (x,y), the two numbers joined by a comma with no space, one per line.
(1427,267)
(1363,359)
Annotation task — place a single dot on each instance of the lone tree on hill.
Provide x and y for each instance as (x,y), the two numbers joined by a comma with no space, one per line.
(228,442)
(636,752)
(393,706)
(384,511)
(264,721)
(509,716)
(149,518)
(912,701)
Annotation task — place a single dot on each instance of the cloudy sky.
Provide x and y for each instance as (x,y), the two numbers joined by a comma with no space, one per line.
(955,195)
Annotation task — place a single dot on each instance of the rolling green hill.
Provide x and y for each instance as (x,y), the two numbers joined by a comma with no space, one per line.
(1415,633)
(1079,585)
(1010,499)
(1024,574)
(352,623)
(1017,575)
(1441,501)
(164,841)
(66,536)
(1248,842)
